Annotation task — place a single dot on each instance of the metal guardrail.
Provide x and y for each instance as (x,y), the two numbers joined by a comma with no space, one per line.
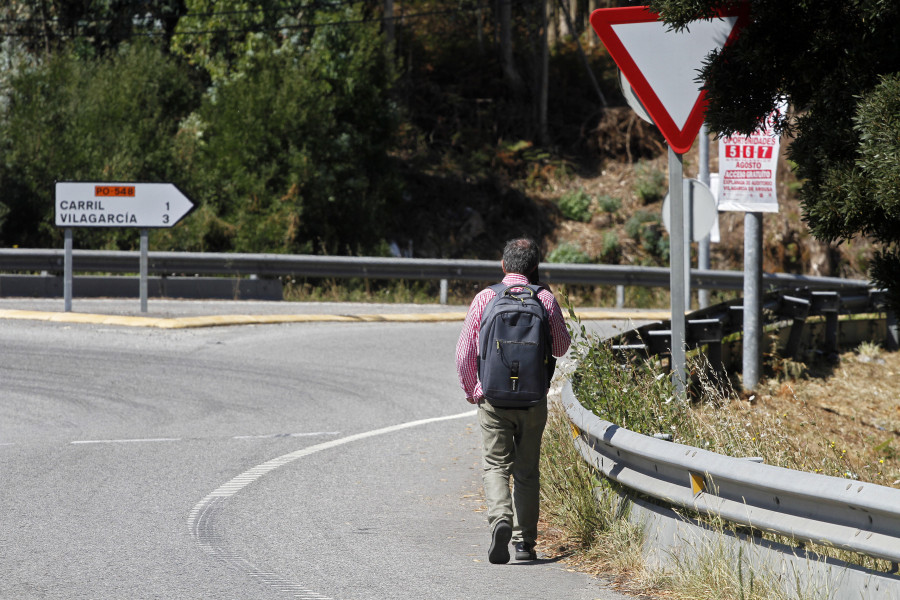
(276,265)
(859,517)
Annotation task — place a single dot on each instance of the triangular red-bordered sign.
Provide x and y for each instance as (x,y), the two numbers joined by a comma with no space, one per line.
(662,65)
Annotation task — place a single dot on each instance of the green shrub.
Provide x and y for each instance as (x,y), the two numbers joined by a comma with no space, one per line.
(611,250)
(651,185)
(568,253)
(636,224)
(609,204)
(654,242)
(576,205)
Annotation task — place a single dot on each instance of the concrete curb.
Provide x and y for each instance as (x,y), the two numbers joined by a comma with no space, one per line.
(224,320)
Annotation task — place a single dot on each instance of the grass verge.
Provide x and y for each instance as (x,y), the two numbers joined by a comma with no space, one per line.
(782,424)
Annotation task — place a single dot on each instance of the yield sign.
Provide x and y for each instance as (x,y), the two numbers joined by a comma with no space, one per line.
(662,64)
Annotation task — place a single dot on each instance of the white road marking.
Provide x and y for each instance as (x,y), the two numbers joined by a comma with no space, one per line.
(247,477)
(236,437)
(132,441)
(284,435)
(202,517)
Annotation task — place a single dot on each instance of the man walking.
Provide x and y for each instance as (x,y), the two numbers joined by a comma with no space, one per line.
(511,435)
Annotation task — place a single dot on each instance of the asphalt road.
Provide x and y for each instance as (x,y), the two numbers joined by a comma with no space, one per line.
(305,460)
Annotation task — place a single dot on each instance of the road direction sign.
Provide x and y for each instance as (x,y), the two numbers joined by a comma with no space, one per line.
(662,64)
(141,205)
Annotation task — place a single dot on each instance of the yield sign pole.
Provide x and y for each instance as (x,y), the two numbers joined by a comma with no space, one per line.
(677,271)
(661,66)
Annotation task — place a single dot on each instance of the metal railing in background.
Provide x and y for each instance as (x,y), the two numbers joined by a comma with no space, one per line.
(280,265)
(794,309)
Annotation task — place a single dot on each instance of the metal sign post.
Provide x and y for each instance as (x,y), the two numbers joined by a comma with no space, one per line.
(688,208)
(703,261)
(748,166)
(67,270)
(676,276)
(698,208)
(753,226)
(145,244)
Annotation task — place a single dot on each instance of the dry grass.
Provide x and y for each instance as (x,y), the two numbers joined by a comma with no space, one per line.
(844,419)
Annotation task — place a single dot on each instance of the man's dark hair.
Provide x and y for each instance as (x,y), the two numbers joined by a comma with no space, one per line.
(521,256)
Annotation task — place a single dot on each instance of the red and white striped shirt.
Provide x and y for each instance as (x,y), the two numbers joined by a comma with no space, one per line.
(467,346)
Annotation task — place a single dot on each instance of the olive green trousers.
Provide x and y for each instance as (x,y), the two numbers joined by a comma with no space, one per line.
(511,447)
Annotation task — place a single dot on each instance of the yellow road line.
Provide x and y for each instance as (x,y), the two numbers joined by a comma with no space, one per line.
(220,320)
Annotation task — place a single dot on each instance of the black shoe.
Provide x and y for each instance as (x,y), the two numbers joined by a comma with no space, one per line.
(525,551)
(499,551)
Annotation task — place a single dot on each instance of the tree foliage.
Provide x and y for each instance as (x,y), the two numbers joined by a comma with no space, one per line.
(287,151)
(292,151)
(74,119)
(222,37)
(284,120)
(837,62)
(90,27)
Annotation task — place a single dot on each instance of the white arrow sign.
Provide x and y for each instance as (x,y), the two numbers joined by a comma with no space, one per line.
(141,205)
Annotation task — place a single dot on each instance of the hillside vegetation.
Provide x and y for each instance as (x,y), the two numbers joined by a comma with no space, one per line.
(309,131)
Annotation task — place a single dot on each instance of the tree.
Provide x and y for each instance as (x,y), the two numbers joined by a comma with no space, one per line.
(837,62)
(93,28)
(290,149)
(70,118)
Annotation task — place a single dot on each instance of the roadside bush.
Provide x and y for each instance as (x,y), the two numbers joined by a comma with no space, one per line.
(609,204)
(611,251)
(576,206)
(651,185)
(568,253)
(636,224)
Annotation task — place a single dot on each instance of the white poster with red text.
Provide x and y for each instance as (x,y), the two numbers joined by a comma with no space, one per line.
(748,166)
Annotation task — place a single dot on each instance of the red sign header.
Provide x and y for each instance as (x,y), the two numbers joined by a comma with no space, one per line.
(105,191)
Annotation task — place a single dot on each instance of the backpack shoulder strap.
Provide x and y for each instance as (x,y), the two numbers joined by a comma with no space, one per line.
(498,288)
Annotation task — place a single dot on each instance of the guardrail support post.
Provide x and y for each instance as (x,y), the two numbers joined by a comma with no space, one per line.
(444,285)
(797,309)
(708,332)
(828,304)
(620,296)
(893,331)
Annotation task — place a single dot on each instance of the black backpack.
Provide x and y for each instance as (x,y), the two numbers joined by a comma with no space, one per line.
(515,361)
